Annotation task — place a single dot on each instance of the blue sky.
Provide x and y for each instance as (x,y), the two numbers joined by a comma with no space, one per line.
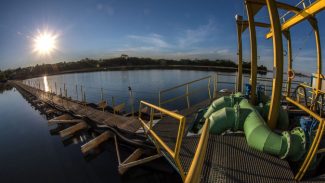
(145,28)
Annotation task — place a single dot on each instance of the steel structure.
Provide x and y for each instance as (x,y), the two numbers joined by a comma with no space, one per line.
(276,31)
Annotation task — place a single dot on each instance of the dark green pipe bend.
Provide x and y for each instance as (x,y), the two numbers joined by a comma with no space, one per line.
(244,116)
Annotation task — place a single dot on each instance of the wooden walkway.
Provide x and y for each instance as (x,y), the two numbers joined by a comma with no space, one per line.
(130,124)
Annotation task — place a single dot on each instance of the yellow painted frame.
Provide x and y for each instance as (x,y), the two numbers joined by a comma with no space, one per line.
(158,141)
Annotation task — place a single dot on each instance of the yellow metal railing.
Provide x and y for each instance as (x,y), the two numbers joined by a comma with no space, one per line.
(196,167)
(187,91)
(314,146)
(174,153)
(194,174)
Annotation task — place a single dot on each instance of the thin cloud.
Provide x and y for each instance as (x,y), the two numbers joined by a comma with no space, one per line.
(152,40)
(198,35)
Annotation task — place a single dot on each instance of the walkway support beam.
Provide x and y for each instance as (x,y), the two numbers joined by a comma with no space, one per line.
(319,57)
(302,15)
(251,10)
(277,63)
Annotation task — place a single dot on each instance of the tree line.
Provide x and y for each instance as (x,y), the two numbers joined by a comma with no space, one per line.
(105,64)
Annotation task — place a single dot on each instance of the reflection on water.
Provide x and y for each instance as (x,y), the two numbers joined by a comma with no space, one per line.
(32,152)
(4,87)
(46,84)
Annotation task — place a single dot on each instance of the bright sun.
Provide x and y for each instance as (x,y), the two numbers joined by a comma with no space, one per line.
(45,43)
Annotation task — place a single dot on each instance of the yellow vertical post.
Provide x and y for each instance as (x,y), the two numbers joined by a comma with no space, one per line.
(289,55)
(277,63)
(252,33)
(319,57)
(240,52)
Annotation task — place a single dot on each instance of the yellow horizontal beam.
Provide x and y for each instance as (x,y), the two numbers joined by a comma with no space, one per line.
(304,108)
(169,113)
(302,15)
(258,24)
(280,5)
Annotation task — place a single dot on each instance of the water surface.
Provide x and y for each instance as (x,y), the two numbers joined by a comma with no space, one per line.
(145,85)
(29,153)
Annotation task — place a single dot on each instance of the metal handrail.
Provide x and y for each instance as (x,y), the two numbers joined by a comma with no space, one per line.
(194,174)
(187,92)
(314,146)
(158,141)
(184,84)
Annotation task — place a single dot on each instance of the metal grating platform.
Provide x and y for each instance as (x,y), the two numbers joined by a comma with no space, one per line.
(229,159)
(167,128)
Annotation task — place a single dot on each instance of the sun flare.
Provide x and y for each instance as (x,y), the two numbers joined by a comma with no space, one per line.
(45,43)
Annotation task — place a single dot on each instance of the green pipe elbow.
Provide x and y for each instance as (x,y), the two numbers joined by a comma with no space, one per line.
(244,116)
(222,120)
(218,104)
(225,101)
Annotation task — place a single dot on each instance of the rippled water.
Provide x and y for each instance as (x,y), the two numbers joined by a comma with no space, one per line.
(30,153)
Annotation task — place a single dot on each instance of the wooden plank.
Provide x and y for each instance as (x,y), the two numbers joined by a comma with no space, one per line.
(95,142)
(124,167)
(56,121)
(73,129)
(133,157)
(96,115)
(63,117)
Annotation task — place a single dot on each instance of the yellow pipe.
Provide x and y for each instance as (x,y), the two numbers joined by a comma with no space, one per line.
(277,63)
(252,33)
(194,174)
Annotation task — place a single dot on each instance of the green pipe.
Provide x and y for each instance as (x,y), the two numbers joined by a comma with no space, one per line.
(227,116)
(225,101)
(283,119)
(244,116)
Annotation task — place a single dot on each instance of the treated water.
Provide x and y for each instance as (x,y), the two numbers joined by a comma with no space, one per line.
(31,153)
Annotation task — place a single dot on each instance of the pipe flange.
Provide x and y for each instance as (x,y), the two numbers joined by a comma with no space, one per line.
(300,132)
(300,149)
(286,135)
